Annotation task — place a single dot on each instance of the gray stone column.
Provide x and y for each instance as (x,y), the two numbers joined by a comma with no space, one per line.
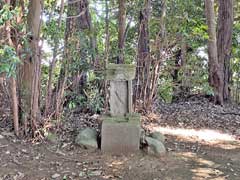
(121,129)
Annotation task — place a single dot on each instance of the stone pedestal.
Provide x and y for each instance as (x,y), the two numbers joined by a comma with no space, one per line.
(120,137)
(121,129)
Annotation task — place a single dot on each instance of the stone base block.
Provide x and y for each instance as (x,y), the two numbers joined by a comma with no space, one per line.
(120,137)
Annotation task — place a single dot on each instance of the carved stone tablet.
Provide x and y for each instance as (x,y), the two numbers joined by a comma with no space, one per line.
(118,98)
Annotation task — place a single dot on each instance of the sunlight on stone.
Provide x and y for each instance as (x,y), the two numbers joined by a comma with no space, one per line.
(204,134)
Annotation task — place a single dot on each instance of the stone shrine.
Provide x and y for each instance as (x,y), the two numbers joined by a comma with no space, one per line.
(120,133)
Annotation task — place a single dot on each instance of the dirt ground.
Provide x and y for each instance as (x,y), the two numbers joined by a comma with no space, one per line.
(187,158)
(203,142)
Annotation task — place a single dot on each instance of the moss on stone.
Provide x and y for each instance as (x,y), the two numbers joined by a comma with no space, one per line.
(132,118)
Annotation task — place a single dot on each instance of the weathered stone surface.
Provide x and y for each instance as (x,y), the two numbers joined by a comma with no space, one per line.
(120,72)
(118,98)
(158,136)
(120,137)
(155,147)
(130,94)
(87,138)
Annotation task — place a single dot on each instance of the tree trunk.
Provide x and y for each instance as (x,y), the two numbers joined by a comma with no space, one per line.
(106,53)
(78,21)
(160,44)
(144,62)
(181,87)
(13,87)
(121,30)
(48,100)
(31,67)
(215,74)
(148,66)
(107,34)
(224,42)
(85,22)
(70,28)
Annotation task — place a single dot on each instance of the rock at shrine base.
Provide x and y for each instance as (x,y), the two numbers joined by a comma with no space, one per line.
(120,135)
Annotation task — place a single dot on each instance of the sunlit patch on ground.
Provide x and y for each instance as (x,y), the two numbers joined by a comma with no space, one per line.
(206,173)
(206,136)
(199,160)
(116,164)
(204,168)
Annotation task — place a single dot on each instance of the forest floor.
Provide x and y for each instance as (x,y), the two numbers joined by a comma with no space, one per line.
(203,142)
